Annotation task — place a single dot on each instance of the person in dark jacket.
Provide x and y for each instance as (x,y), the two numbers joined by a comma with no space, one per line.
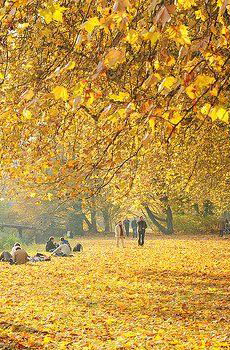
(134,227)
(141,231)
(5,256)
(126,225)
(50,245)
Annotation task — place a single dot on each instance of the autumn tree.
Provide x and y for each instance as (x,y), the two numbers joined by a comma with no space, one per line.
(113,92)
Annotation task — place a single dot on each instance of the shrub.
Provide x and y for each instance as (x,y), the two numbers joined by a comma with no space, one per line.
(7,241)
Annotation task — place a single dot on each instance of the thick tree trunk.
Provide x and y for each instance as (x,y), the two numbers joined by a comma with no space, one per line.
(168,228)
(92,225)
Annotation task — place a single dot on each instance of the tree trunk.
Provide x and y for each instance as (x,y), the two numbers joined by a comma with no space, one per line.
(76,219)
(93,220)
(106,218)
(168,229)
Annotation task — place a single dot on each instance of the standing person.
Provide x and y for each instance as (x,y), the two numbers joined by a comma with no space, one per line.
(134,227)
(120,233)
(126,225)
(141,231)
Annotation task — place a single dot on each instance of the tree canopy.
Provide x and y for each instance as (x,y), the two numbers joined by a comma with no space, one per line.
(133,95)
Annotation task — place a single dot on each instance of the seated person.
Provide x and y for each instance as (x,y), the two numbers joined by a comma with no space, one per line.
(62,250)
(5,256)
(50,245)
(78,248)
(20,256)
(15,247)
(64,241)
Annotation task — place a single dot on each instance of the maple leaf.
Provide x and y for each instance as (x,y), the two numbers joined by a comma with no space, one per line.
(60,92)
(91,24)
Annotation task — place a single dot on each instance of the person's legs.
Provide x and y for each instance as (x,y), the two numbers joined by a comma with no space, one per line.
(134,232)
(117,242)
(122,242)
(143,238)
(139,238)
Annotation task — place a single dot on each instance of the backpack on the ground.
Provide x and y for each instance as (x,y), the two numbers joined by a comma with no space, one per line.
(78,248)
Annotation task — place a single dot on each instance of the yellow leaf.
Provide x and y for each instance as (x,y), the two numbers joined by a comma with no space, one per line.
(46,14)
(71,65)
(1,75)
(58,11)
(214,92)
(199,15)
(220,113)
(177,117)
(206,109)
(122,96)
(156,64)
(152,36)
(91,24)
(184,34)
(190,91)
(132,36)
(47,339)
(152,122)
(168,82)
(27,114)
(60,92)
(186,4)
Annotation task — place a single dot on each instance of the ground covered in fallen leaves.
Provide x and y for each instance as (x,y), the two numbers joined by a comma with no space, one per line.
(170,294)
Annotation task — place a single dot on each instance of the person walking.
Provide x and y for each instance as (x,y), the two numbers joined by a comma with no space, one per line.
(120,234)
(126,225)
(141,231)
(134,227)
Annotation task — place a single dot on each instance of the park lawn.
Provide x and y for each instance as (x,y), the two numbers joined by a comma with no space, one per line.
(170,294)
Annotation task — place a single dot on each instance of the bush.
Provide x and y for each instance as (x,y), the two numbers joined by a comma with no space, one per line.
(195,224)
(7,241)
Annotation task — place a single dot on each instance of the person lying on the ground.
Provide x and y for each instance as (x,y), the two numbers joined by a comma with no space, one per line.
(20,256)
(64,241)
(78,248)
(6,257)
(15,247)
(62,250)
(39,257)
(51,245)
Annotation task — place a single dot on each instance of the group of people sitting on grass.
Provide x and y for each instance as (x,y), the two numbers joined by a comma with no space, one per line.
(19,256)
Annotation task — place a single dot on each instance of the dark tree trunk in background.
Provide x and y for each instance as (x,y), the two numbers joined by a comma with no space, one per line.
(167,229)
(106,218)
(93,220)
(76,218)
